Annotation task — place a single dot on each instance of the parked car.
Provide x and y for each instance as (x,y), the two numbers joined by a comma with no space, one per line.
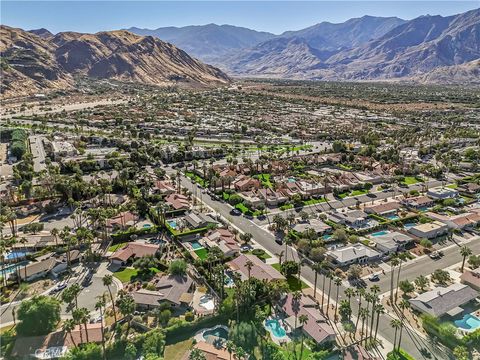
(374,277)
(59,287)
(436,255)
(236,212)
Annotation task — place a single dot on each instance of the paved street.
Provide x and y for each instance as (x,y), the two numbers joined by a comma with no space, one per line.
(38,152)
(412,342)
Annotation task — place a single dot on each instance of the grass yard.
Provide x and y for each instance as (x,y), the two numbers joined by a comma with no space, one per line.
(265,179)
(263,256)
(352,193)
(202,253)
(196,178)
(293,283)
(126,274)
(286,207)
(452,186)
(313,201)
(115,247)
(178,350)
(411,180)
(246,210)
(295,348)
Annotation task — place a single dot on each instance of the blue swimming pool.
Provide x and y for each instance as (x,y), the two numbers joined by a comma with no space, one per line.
(409,225)
(196,245)
(393,217)
(327,237)
(217,332)
(468,322)
(379,233)
(13,268)
(17,254)
(275,328)
(173,224)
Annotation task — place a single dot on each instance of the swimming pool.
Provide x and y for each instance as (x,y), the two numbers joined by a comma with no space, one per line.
(409,225)
(146,226)
(327,237)
(173,224)
(468,322)
(393,217)
(13,268)
(196,245)
(275,328)
(380,233)
(216,332)
(16,254)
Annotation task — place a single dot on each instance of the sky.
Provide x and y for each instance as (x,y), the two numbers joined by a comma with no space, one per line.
(273,16)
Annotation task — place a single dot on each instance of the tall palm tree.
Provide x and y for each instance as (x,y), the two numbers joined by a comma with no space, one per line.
(402,257)
(100,306)
(396,324)
(296,296)
(363,313)
(303,320)
(375,289)
(393,263)
(465,251)
(316,268)
(337,282)
(360,293)
(68,326)
(280,256)
(330,278)
(230,348)
(379,309)
(323,284)
(107,281)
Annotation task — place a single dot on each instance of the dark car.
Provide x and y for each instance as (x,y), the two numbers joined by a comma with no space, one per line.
(279,241)
(236,212)
(87,280)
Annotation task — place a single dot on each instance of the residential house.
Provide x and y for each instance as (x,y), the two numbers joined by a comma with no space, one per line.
(391,242)
(224,240)
(123,220)
(429,230)
(35,270)
(271,197)
(199,220)
(352,254)
(251,198)
(444,300)
(212,352)
(442,193)
(316,327)
(418,202)
(164,187)
(317,225)
(178,201)
(469,189)
(471,278)
(133,251)
(461,221)
(258,270)
(352,218)
(387,209)
(244,183)
(176,290)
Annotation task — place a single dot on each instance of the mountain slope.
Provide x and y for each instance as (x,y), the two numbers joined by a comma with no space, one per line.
(36,63)
(408,50)
(207,42)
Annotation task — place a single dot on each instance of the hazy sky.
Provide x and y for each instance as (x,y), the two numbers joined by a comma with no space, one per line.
(273,16)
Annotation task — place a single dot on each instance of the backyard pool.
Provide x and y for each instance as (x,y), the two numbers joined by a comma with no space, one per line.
(196,245)
(468,323)
(13,268)
(393,217)
(275,328)
(380,233)
(146,226)
(217,332)
(173,224)
(16,254)
(409,225)
(327,237)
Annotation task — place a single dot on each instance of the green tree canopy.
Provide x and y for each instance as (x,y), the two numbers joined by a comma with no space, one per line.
(38,316)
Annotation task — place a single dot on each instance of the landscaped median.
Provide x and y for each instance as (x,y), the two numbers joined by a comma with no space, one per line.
(199,180)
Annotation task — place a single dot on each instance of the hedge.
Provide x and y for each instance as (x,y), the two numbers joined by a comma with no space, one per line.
(185,330)
(125,235)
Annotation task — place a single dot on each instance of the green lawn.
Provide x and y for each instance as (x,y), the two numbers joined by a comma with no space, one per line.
(126,274)
(246,210)
(313,201)
(202,253)
(286,207)
(293,283)
(196,178)
(295,348)
(452,186)
(411,180)
(345,167)
(115,247)
(264,256)
(177,351)
(265,179)
(352,193)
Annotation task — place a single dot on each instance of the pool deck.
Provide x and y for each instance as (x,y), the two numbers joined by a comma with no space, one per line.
(199,334)
(275,339)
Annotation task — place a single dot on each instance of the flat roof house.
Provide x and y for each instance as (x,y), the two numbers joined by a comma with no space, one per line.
(418,202)
(391,242)
(353,218)
(444,301)
(317,225)
(259,270)
(441,193)
(429,230)
(352,254)
(384,209)
(133,251)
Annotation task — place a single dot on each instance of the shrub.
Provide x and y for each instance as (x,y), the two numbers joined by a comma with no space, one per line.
(189,316)
(258,252)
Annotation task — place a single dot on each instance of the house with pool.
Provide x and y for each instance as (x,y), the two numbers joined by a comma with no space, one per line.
(224,239)
(133,251)
(352,254)
(443,301)
(430,230)
(391,242)
(316,327)
(259,269)
(387,210)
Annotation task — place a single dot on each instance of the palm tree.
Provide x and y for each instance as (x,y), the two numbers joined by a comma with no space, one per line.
(55,233)
(323,285)
(196,354)
(316,267)
(393,263)
(296,296)
(230,348)
(337,282)
(375,289)
(68,326)
(396,324)
(100,306)
(126,304)
(379,309)
(363,313)
(303,320)
(107,281)
(280,256)
(330,277)
(465,251)
(402,257)
(81,316)
(360,293)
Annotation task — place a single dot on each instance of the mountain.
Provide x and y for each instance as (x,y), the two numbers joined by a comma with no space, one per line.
(408,49)
(207,42)
(32,63)
(467,73)
(351,33)
(42,32)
